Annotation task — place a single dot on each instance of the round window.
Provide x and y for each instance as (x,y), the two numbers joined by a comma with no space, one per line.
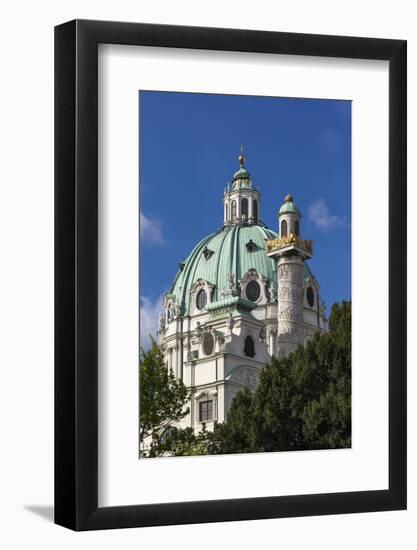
(201,299)
(310,296)
(253,291)
(208,344)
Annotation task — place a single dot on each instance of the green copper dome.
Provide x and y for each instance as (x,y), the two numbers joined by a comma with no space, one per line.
(289,206)
(235,249)
(241,179)
(242,173)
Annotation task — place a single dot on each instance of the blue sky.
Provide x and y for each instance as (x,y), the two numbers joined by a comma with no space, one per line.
(189,144)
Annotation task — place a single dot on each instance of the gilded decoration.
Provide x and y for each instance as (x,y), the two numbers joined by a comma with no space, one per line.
(276,244)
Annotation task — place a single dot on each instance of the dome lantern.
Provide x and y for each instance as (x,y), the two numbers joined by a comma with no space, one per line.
(241,201)
(289,216)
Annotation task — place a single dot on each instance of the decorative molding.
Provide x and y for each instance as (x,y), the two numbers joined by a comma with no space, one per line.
(290,240)
(245,375)
(201,284)
(253,275)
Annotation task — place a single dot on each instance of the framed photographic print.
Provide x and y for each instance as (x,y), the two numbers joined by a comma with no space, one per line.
(230,275)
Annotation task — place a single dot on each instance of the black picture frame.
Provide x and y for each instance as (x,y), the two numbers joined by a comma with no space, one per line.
(76,271)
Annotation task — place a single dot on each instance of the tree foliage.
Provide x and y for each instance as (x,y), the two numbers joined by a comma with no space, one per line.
(162,398)
(302,401)
(183,442)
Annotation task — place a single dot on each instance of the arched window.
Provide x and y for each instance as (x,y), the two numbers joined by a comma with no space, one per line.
(244,209)
(249,348)
(201,299)
(310,296)
(283,228)
(233,210)
(297,227)
(227,212)
(255,210)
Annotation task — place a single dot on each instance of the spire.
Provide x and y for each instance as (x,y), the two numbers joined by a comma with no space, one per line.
(241,178)
(241,157)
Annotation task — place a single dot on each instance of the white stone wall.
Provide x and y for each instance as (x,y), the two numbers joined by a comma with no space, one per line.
(290,218)
(237,195)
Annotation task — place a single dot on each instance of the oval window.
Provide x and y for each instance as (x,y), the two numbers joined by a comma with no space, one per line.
(201,299)
(208,344)
(310,296)
(253,291)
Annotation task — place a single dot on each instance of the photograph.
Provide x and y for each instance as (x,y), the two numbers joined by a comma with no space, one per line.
(208,328)
(245,274)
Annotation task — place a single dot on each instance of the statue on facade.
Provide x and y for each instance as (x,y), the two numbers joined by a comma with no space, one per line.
(272,293)
(161,320)
(230,281)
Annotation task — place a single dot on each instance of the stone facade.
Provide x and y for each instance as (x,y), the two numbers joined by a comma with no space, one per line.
(244,294)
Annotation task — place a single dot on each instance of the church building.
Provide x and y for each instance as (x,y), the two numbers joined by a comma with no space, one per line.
(244,294)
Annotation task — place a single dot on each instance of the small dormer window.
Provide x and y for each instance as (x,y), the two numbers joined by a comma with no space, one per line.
(250,246)
(297,227)
(207,253)
(283,228)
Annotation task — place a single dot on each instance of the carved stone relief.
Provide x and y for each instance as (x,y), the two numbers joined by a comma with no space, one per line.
(247,376)
(289,292)
(290,313)
(283,272)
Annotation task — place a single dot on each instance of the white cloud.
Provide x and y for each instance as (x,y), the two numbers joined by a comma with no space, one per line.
(149,317)
(151,231)
(319,214)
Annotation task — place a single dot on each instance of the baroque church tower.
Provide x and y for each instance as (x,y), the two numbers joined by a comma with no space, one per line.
(244,294)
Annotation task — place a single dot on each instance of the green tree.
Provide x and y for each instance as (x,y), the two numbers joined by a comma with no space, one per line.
(302,401)
(184,442)
(235,436)
(327,416)
(162,397)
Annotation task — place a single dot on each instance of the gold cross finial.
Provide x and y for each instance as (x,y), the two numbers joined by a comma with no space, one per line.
(241,156)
